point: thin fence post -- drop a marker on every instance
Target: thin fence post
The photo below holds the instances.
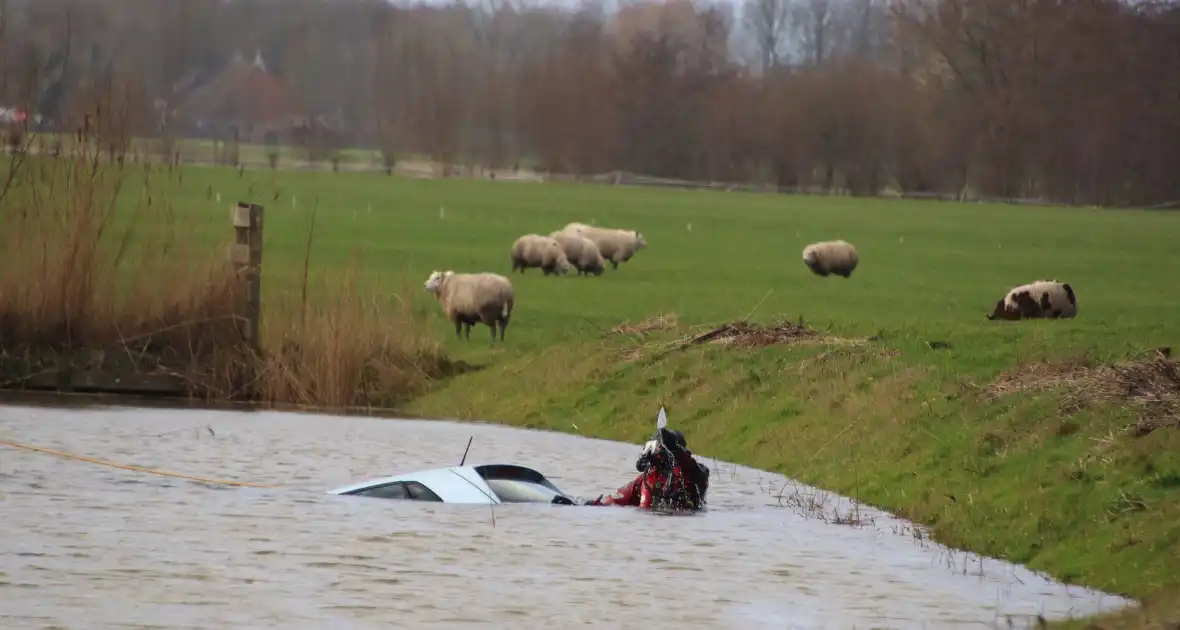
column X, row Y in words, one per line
column 246, row 255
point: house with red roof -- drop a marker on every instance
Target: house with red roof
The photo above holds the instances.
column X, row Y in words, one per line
column 244, row 97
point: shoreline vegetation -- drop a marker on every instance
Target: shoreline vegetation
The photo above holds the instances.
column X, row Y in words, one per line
column 1054, row 455
column 102, row 277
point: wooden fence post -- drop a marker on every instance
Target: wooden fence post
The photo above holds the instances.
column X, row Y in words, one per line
column 246, row 255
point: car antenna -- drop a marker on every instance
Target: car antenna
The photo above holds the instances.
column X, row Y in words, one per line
column 661, row 424
column 466, row 449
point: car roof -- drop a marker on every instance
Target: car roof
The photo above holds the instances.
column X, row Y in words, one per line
column 454, row 484
column 460, row 484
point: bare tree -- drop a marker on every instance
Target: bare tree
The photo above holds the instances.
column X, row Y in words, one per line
column 1000, row 96
column 813, row 20
column 861, row 22
column 389, row 111
column 768, row 25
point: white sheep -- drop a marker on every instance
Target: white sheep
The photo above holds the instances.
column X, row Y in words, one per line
column 582, row 253
column 615, row 245
column 1041, row 299
column 831, row 257
column 534, row 250
column 471, row 298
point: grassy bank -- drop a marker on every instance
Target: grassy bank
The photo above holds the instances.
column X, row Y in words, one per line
column 903, row 394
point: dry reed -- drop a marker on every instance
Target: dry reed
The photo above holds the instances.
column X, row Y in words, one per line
column 349, row 349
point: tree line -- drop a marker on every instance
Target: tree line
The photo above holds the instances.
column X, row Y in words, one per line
column 1075, row 101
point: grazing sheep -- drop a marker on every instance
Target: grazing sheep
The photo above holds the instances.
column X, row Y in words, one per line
column 534, row 250
column 828, row 257
column 1040, row 299
column 615, row 245
column 471, row 298
column 582, row 253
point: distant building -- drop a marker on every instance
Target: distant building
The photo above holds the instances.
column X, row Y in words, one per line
column 243, row 98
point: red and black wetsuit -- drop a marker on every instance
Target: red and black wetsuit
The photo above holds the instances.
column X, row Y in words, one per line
column 688, row 482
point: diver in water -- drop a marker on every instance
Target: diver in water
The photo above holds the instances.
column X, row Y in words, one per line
column 669, row 477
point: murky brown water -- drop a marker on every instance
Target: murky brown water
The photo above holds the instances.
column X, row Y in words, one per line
column 88, row 546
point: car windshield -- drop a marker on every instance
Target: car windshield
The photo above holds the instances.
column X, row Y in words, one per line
column 514, row 491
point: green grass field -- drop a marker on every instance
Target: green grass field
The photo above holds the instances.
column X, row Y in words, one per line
column 892, row 421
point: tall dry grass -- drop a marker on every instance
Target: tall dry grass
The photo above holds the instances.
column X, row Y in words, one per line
column 349, row 347
column 100, row 273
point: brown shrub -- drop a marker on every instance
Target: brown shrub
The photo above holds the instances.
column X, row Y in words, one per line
column 345, row 350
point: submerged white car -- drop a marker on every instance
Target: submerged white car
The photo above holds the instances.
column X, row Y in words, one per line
column 488, row 484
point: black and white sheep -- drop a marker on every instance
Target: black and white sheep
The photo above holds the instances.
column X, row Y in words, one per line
column 831, row 257
column 1037, row 300
column 471, row 298
column 534, row 250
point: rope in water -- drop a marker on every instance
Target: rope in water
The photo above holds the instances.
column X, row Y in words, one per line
column 152, row 471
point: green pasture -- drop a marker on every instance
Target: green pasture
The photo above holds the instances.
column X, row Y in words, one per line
column 929, row 270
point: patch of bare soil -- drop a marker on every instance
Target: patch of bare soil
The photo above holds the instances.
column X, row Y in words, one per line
column 747, row 334
column 735, row 334
column 1151, row 386
column 742, row 333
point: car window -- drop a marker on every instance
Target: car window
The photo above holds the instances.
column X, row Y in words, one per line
column 515, row 491
column 395, row 490
column 420, row 492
